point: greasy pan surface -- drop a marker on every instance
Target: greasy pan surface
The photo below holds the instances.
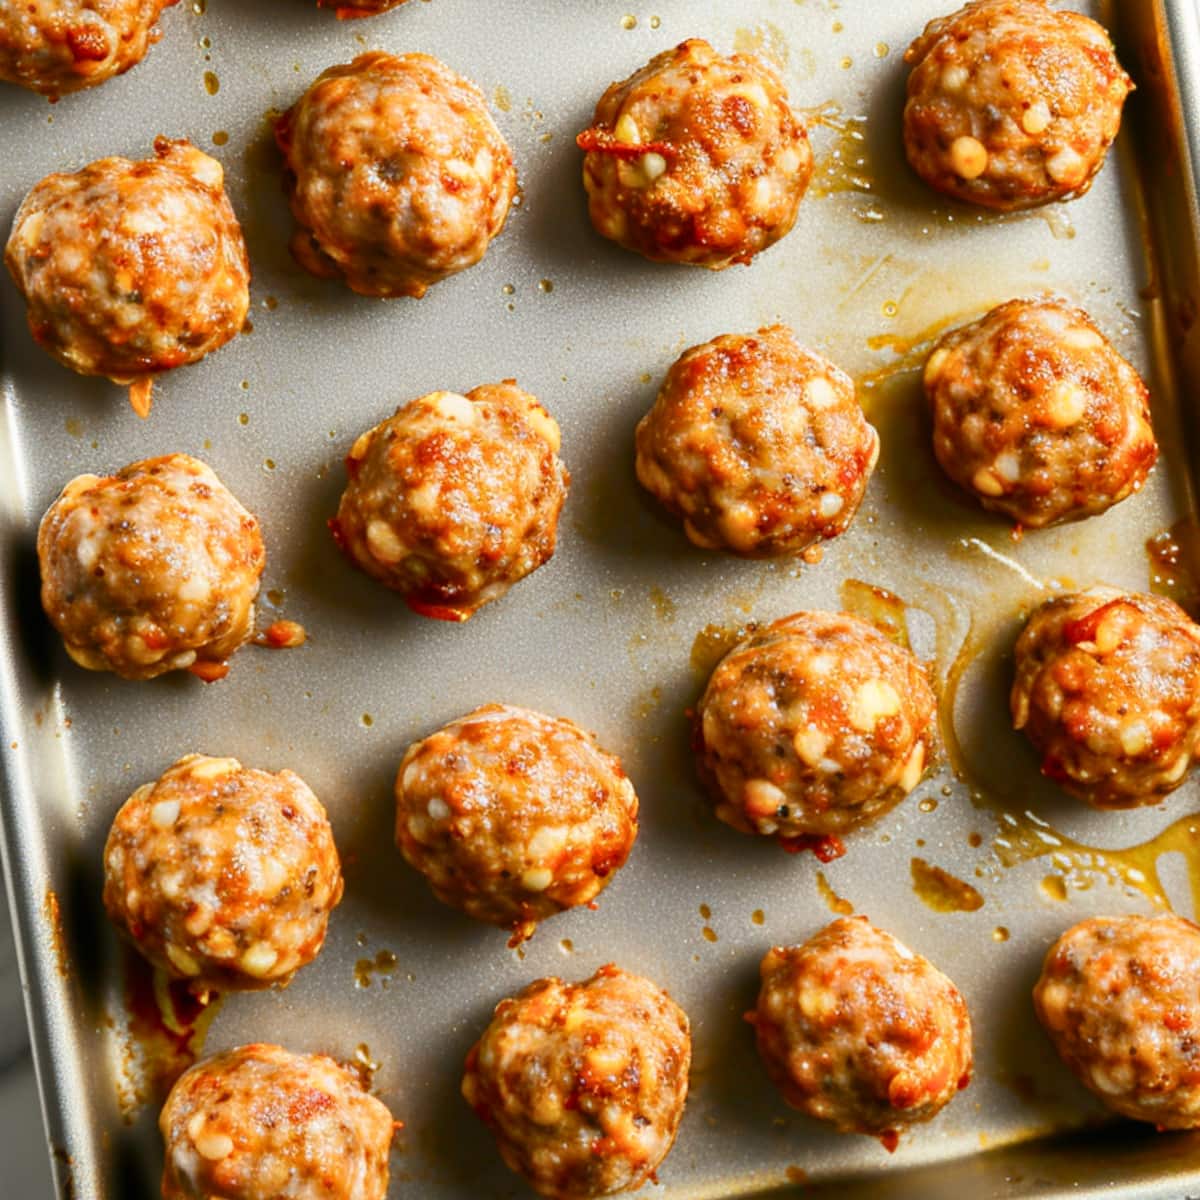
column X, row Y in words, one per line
column 604, row 634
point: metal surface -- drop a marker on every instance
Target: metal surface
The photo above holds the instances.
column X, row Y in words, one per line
column 604, row 633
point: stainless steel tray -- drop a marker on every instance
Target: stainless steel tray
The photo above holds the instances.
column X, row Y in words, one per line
column 605, row 634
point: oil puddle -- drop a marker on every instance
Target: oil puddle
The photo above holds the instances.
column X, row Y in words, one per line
column 834, row 902
column 1174, row 560
column 843, row 165
column 939, row 890
column 714, row 641
column 1023, row 837
column 909, row 352
column 877, row 606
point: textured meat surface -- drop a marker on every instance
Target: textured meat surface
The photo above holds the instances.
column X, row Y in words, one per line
column 583, row 1084
column 260, row 1123
column 1012, row 103
column 153, row 569
column 813, row 726
column 131, row 268
column 696, row 158
column 59, row 46
column 223, row 875
column 1120, row 999
column 858, row 1030
column 514, row 816
column 758, row 444
column 1107, row 689
column 397, row 174
column 1037, row 415
column 455, row 498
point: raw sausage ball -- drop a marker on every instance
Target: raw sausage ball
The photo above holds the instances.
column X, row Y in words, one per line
column 60, row 46
column 132, row 268
column 813, row 726
column 359, row 8
column 697, row 158
column 759, row 445
column 223, row 875
column 583, row 1084
column 1011, row 103
column 1037, row 415
column 1119, row 999
column 397, row 175
column 514, row 816
column 858, row 1030
column 1107, row 689
column 153, row 569
column 454, row 498
column 261, row 1123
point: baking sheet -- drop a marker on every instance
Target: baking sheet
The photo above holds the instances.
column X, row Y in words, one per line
column 606, row 633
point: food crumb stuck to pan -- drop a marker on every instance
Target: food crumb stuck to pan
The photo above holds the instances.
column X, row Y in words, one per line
column 282, row 635
column 52, row 911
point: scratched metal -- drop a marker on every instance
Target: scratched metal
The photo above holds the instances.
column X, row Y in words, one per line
column 605, row 632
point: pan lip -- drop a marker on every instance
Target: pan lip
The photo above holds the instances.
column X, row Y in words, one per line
column 53, row 1015
column 45, row 995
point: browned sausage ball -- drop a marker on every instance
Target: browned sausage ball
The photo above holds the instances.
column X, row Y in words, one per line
column 1119, row 998
column 132, row 268
column 812, row 727
column 1107, row 689
column 153, row 569
column 583, row 1084
column 514, row 816
column 1011, row 103
column 454, row 498
column 858, row 1030
column 347, row 9
column 696, row 158
column 1037, row 415
column 223, row 875
column 261, row 1123
column 759, row 445
column 60, row 46
column 397, row 175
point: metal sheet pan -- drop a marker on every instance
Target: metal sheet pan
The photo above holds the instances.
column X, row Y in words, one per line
column 606, row 633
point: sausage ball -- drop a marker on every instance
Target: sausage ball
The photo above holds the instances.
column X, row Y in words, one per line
column 812, row 727
column 1118, row 997
column 132, row 268
column 857, row 1030
column 347, row 9
column 153, row 569
column 1011, row 103
column 60, row 46
column 397, row 175
column 223, row 875
column 697, row 158
column 1107, row 689
column 454, row 498
column 514, row 816
column 1037, row 416
column 759, row 445
column 583, row 1084
column 261, row 1123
